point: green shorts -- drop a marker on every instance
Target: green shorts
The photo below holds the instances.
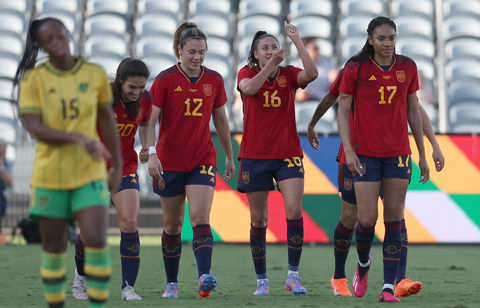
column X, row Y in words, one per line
column 56, row 203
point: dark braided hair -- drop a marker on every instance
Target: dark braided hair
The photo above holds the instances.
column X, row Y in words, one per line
column 129, row 67
column 31, row 47
column 367, row 50
column 252, row 61
column 185, row 32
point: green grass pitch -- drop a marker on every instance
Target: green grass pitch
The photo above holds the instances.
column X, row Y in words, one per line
column 449, row 275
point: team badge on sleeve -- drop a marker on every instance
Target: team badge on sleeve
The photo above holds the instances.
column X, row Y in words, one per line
column 245, row 177
column 207, row 89
column 401, row 76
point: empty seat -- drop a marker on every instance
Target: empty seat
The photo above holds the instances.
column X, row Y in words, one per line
column 213, row 24
column 220, row 46
column 248, row 26
column 351, row 47
column 463, row 48
column 7, row 110
column 461, row 7
column 311, row 7
column 426, row 66
column 174, row 7
column 12, row 21
column 414, row 47
column 415, row 7
column 206, row 6
column 20, row 6
column 106, row 23
column 464, row 112
column 6, row 86
column 462, row 69
column 153, row 44
column 264, row 7
column 108, row 62
column 463, row 91
column 69, row 19
column 72, row 6
column 9, row 131
column 371, row 8
column 351, row 26
column 109, row 44
column 219, row 64
column 123, row 7
column 11, row 43
column 466, row 128
column 149, row 24
column 412, row 26
column 458, row 26
column 158, row 64
column 315, row 26
column 8, row 65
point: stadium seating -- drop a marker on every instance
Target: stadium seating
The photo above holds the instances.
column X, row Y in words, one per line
column 72, row 6
column 461, row 69
column 414, row 26
column 148, row 45
column 6, row 86
column 264, row 7
column 205, row 6
column 324, row 8
column 214, row 24
column 459, row 26
column 11, row 43
column 175, row 7
column 461, row 8
column 464, row 112
column 463, row 48
column 148, row 24
column 313, row 26
column 106, row 44
column 122, row 7
column 12, row 21
column 424, row 8
column 370, row 8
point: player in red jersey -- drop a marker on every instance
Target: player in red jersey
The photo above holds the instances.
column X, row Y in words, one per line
column 348, row 218
column 186, row 96
column 383, row 85
column 270, row 147
column 133, row 107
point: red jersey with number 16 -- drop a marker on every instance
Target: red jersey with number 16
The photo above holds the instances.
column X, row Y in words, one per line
column 127, row 128
column 269, row 128
column 184, row 141
column 380, row 96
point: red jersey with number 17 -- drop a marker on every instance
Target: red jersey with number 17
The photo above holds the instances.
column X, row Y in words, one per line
column 380, row 96
column 269, row 128
column 184, row 141
column 127, row 128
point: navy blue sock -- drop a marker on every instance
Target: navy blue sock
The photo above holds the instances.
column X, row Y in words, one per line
column 79, row 256
column 294, row 242
column 342, row 239
column 202, row 248
column 130, row 257
column 392, row 245
column 364, row 237
column 402, row 266
column 172, row 251
column 258, row 246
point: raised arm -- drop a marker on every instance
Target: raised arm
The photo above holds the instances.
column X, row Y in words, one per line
column 223, row 131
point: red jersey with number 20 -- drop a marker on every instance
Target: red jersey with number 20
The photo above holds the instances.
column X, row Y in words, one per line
column 380, row 96
column 127, row 128
column 184, row 141
column 269, row 128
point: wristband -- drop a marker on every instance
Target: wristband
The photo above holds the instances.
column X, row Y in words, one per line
column 152, row 150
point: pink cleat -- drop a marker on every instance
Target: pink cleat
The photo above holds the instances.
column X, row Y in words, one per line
column 360, row 286
column 388, row 297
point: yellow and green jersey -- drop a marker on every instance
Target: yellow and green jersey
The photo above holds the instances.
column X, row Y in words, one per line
column 67, row 101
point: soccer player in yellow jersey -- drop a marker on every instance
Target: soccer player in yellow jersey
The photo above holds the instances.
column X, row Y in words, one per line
column 60, row 104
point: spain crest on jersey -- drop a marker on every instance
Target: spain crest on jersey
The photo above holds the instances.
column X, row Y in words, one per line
column 207, row 89
column 401, row 76
column 245, row 177
column 282, row 81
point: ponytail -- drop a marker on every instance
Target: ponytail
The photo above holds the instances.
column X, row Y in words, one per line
column 185, row 32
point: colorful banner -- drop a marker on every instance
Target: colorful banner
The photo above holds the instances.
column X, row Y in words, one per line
column 445, row 210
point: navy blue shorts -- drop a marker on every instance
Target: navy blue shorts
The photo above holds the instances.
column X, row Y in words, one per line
column 386, row 167
column 345, row 185
column 174, row 183
column 258, row 174
column 129, row 181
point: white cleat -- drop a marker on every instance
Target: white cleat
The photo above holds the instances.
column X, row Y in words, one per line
column 79, row 288
column 128, row 294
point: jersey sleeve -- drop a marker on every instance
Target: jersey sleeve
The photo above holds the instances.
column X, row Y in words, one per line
column 293, row 75
column 105, row 96
column 413, row 87
column 221, row 97
column 244, row 72
column 334, row 87
column 348, row 81
column 159, row 90
column 29, row 93
column 146, row 103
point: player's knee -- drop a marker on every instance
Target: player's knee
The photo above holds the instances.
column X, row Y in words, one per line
column 199, row 220
column 128, row 224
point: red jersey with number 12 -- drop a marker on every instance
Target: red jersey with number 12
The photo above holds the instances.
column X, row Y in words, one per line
column 269, row 128
column 380, row 96
column 184, row 141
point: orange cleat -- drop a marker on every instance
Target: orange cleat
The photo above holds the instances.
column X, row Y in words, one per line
column 407, row 287
column 340, row 287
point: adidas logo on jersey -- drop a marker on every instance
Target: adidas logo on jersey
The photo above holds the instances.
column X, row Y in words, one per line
column 178, row 89
column 372, row 78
